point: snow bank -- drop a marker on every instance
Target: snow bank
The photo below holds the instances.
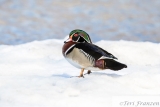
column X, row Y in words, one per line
column 36, row 75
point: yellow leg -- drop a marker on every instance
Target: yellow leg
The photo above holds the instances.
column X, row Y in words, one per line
column 81, row 73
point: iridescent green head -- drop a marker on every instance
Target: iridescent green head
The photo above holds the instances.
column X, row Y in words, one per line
column 78, row 35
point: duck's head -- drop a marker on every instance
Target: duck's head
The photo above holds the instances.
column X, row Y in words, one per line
column 78, row 35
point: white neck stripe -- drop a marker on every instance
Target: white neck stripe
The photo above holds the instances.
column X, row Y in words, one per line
column 69, row 49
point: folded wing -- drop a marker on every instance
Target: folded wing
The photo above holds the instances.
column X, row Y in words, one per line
column 95, row 51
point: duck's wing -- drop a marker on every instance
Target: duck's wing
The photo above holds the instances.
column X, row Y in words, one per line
column 95, row 51
column 107, row 53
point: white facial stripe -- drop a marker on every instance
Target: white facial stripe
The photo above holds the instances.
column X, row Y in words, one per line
column 85, row 39
column 69, row 49
column 73, row 34
column 78, row 39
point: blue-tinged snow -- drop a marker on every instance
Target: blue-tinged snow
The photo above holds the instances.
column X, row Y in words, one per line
column 23, row 21
column 37, row 75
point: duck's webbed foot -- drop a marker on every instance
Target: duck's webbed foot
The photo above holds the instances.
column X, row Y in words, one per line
column 81, row 74
column 88, row 72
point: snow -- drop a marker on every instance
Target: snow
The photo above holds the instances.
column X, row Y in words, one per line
column 36, row 74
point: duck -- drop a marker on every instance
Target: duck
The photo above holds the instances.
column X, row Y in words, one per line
column 79, row 35
column 79, row 51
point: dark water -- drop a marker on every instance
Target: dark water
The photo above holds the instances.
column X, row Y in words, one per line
column 24, row 21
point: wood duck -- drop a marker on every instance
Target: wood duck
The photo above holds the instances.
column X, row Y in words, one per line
column 86, row 56
column 80, row 36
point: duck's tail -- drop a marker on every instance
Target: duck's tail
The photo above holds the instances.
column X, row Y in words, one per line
column 109, row 64
column 113, row 65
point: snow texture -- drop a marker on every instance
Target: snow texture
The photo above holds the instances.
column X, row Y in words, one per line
column 37, row 75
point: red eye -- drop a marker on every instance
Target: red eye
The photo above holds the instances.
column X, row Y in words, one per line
column 75, row 35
